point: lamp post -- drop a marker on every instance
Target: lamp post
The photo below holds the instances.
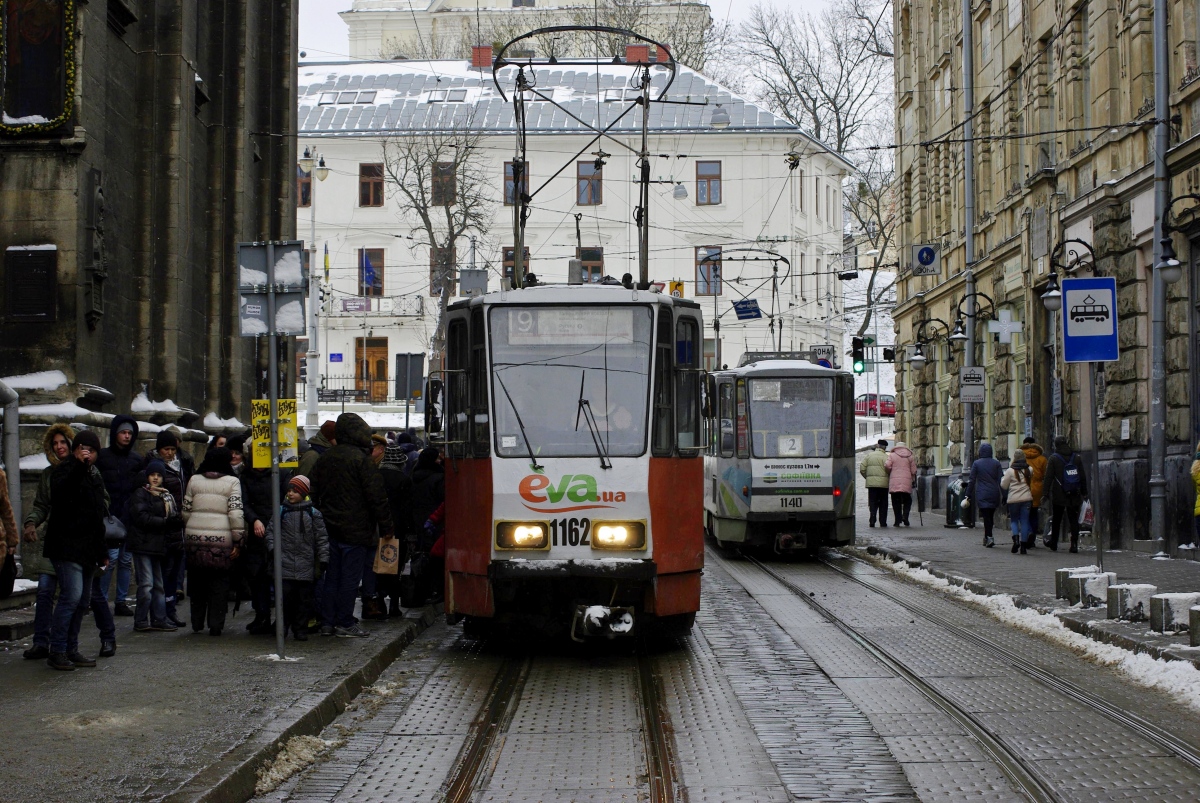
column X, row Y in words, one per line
column 313, row 356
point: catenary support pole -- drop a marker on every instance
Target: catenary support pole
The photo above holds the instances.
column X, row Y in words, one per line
column 968, row 79
column 12, row 452
column 312, row 358
column 1158, row 325
column 273, row 396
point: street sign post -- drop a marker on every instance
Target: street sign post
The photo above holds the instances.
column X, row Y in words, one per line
column 825, row 354
column 926, row 261
column 288, row 444
column 971, row 385
column 272, row 288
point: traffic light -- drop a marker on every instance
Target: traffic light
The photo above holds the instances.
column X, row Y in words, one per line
column 889, row 355
column 858, row 358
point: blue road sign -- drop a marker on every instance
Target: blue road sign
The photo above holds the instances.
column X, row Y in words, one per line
column 824, row 363
column 1089, row 313
column 335, row 357
column 747, row 309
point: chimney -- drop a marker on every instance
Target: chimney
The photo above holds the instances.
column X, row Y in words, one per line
column 637, row 54
column 663, row 54
column 481, row 56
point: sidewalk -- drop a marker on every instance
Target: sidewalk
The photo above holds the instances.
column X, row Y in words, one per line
column 959, row 556
column 178, row 716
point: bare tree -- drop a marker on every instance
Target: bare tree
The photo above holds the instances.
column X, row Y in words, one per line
column 873, row 21
column 440, row 179
column 873, row 214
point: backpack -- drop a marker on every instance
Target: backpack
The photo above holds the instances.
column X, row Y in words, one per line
column 1071, row 483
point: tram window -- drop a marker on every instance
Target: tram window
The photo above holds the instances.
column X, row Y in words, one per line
column 457, row 431
column 687, row 386
column 725, row 416
column 742, row 424
column 481, row 432
column 792, row 417
column 661, row 444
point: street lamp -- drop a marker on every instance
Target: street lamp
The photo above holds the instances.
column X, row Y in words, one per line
column 680, row 192
column 959, row 334
column 1052, row 298
column 1169, row 266
column 917, row 360
column 720, row 118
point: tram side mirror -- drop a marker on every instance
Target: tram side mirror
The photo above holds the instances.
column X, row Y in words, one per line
column 433, row 407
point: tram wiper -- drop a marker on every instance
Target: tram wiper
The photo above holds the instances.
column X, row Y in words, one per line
column 585, row 409
column 521, row 424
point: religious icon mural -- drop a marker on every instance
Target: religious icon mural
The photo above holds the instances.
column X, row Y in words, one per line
column 36, row 64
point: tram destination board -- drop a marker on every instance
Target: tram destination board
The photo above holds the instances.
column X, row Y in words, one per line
column 530, row 325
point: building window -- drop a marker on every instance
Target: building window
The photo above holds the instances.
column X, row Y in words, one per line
column 510, row 182
column 589, row 183
column 817, row 197
column 443, row 190
column 508, row 256
column 593, row 263
column 708, row 270
column 800, row 180
column 522, row 3
column 441, row 270
column 370, row 185
column 708, row 183
column 370, row 271
column 37, row 62
column 303, row 187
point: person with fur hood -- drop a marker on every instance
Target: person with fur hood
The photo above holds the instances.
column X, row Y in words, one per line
column 304, row 555
column 56, row 445
column 901, row 467
column 1035, row 456
column 214, row 531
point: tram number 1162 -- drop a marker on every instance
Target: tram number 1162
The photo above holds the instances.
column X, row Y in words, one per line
column 570, row 532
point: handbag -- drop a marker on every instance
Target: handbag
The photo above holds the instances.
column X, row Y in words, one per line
column 114, row 530
column 1087, row 515
column 8, row 576
column 387, row 556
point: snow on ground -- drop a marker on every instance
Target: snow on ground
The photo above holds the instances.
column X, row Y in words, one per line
column 42, row 380
column 142, row 404
column 34, row 462
column 296, row 755
column 25, row 585
column 1180, row 679
column 214, row 421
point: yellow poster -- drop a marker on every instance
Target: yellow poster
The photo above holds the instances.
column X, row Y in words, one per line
column 289, row 451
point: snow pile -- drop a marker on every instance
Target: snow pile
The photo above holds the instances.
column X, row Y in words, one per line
column 62, row 410
column 289, row 317
column 142, row 404
column 274, row 657
column 298, row 753
column 24, row 585
column 214, row 421
column 1180, row 679
column 288, row 270
column 43, row 247
column 622, row 624
column 32, row 119
column 34, row 462
column 42, row 380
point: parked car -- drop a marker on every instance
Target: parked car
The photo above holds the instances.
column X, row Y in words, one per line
column 875, row 404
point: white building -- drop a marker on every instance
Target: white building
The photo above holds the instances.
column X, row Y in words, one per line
column 715, row 191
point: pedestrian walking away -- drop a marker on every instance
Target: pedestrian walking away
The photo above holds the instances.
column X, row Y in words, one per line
column 372, row 602
column 304, row 554
column 986, row 474
column 121, row 467
column 429, row 494
column 901, row 467
column 1016, row 482
column 1063, row 492
column 347, row 487
column 1036, row 459
column 874, row 471
column 155, row 523
column 399, row 486
column 214, row 531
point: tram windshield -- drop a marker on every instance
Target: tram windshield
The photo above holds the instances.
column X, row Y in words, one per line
column 550, row 361
column 791, row 417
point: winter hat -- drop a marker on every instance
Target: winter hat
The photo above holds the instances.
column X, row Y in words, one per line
column 404, row 437
column 327, row 429
column 378, row 440
column 428, row 458
column 219, row 460
column 235, row 443
column 126, row 426
column 166, row 438
column 1018, row 461
column 156, row 466
column 394, row 455
column 86, row 438
column 299, row 483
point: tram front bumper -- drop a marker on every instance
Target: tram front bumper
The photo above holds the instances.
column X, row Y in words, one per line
column 525, row 569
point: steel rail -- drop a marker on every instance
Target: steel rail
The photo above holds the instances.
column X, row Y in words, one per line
column 660, row 758
column 494, row 717
column 1164, row 739
column 1022, row 773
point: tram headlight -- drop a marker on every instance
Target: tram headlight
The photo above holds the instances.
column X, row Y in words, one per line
column 521, row 535
column 618, row 535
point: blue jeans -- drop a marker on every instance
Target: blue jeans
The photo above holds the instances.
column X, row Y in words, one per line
column 1018, row 521
column 68, row 613
column 173, row 566
column 121, row 561
column 340, row 590
column 43, row 611
column 151, row 601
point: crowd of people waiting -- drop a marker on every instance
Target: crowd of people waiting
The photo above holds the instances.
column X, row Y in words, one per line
column 174, row 530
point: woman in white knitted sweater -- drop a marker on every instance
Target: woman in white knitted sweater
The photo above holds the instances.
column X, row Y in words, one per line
column 215, row 526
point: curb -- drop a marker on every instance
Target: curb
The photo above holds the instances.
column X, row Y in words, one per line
column 232, row 778
column 1090, row 622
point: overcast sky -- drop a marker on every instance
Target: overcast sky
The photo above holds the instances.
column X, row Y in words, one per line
column 323, row 34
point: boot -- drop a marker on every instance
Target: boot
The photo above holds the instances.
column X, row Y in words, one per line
column 1016, row 545
column 394, row 607
column 372, row 609
column 265, row 627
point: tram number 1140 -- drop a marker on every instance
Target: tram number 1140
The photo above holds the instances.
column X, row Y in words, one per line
column 570, row 532
column 791, row 501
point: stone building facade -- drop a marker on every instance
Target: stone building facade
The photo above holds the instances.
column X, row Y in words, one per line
column 1064, row 151
column 141, row 141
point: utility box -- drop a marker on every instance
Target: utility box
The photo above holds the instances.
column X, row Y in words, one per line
column 575, row 271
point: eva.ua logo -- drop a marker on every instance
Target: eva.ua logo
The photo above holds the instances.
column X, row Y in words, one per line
column 580, row 489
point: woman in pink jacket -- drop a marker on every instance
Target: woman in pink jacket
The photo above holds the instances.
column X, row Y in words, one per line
column 901, row 467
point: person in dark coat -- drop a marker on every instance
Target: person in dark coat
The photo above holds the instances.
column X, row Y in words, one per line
column 179, row 471
column 348, row 490
column 1063, row 491
column 75, row 543
column 986, row 473
column 304, row 553
column 318, row 445
column 121, row 468
column 252, row 563
column 398, row 485
column 429, row 492
column 155, row 523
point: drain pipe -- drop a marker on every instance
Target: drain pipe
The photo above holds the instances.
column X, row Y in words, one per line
column 12, row 453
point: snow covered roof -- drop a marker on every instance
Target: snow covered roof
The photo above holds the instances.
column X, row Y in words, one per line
column 397, row 97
